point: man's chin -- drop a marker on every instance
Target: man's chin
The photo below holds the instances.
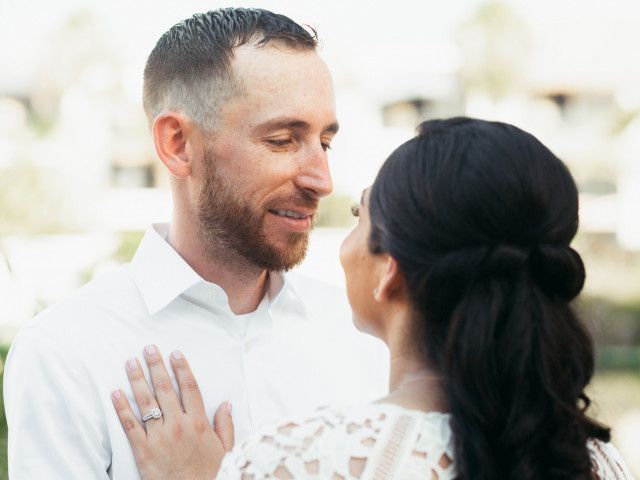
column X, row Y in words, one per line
column 286, row 254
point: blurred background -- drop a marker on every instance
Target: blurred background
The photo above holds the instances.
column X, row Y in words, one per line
column 80, row 182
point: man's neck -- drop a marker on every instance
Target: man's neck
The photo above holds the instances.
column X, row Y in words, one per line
column 244, row 283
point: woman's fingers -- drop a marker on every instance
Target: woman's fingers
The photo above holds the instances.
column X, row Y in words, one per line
column 223, row 426
column 189, row 391
column 144, row 396
column 162, row 385
column 131, row 425
column 186, row 446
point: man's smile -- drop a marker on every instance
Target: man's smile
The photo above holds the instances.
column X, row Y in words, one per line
column 294, row 220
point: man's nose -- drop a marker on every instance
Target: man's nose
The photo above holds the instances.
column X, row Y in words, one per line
column 314, row 176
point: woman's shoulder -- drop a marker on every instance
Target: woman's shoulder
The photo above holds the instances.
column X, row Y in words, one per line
column 607, row 462
column 343, row 441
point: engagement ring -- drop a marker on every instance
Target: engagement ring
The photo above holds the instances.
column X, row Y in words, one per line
column 153, row 413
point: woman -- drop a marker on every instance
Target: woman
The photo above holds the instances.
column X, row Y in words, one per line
column 461, row 263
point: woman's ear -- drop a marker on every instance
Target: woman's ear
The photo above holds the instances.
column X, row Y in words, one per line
column 391, row 280
column 172, row 132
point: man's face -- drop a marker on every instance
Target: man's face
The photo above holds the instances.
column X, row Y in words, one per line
column 265, row 169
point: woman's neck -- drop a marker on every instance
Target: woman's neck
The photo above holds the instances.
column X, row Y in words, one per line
column 406, row 369
column 412, row 382
column 415, row 386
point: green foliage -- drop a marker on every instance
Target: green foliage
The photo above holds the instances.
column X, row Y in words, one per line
column 611, row 323
column 128, row 245
column 30, row 200
column 39, row 124
column 623, row 120
column 4, row 474
column 618, row 358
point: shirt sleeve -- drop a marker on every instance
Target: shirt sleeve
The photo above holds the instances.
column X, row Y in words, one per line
column 56, row 421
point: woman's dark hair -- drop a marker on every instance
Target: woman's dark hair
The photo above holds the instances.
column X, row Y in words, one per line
column 480, row 216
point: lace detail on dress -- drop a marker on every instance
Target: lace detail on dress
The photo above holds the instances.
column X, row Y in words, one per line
column 370, row 442
column 376, row 441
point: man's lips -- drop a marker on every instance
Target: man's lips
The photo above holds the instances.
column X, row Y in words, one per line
column 293, row 219
column 292, row 213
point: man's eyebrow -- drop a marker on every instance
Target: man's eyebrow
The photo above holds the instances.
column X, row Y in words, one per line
column 294, row 124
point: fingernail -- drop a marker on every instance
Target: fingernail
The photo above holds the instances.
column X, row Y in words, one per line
column 229, row 408
column 150, row 349
column 176, row 355
column 116, row 394
column 132, row 364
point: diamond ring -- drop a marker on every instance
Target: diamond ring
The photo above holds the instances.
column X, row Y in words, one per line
column 153, row 413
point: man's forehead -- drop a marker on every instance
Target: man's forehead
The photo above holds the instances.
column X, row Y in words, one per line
column 274, row 61
column 290, row 86
column 274, row 71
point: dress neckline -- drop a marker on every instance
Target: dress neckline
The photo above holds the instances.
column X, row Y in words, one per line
column 379, row 406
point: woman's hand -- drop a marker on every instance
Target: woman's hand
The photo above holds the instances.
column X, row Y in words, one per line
column 181, row 444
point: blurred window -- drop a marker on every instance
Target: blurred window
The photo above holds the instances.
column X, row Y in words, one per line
column 411, row 112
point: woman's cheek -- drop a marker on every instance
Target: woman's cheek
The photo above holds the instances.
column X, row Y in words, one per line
column 344, row 249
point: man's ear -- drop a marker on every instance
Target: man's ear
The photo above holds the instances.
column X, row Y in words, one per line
column 391, row 281
column 172, row 132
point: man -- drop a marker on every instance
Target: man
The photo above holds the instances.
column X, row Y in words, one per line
column 242, row 113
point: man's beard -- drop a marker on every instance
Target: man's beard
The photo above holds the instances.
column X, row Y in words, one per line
column 229, row 225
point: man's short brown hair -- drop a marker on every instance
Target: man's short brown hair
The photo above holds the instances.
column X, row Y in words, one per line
column 189, row 70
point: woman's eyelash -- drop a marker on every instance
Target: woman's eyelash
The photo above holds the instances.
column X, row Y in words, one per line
column 355, row 210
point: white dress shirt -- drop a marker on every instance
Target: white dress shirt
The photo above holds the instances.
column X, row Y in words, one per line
column 297, row 351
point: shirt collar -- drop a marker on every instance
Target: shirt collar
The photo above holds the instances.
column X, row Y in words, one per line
column 162, row 275
column 283, row 296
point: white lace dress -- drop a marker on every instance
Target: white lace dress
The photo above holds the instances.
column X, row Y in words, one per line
column 373, row 442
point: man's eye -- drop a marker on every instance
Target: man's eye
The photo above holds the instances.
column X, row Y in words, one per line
column 279, row 143
column 326, row 146
column 355, row 210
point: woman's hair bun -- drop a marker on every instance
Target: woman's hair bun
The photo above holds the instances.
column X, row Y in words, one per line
column 557, row 269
